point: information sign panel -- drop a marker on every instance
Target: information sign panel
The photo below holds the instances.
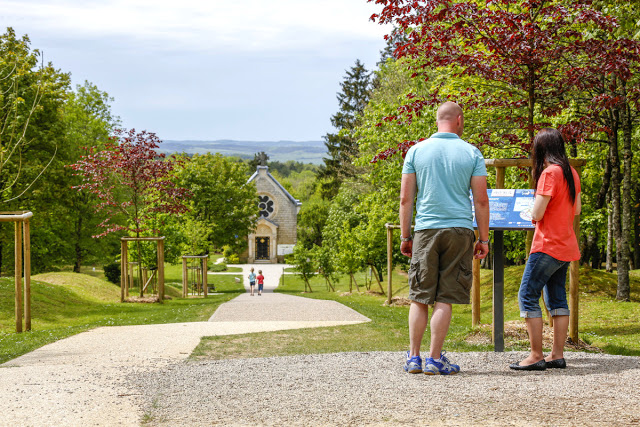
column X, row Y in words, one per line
column 285, row 249
column 510, row 209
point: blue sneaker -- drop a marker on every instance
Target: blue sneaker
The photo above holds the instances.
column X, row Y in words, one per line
column 440, row 367
column 413, row 365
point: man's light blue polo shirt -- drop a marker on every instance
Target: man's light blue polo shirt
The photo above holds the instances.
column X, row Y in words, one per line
column 444, row 165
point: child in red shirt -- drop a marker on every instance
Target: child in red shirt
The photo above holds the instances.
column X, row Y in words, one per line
column 554, row 246
column 260, row 282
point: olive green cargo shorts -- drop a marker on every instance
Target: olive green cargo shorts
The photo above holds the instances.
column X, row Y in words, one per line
column 441, row 266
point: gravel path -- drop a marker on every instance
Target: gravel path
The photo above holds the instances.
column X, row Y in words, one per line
column 133, row 375
column 372, row 389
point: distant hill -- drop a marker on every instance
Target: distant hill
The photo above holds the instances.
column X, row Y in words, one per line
column 301, row 151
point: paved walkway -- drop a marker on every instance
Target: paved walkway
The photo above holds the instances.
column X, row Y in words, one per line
column 275, row 307
column 82, row 380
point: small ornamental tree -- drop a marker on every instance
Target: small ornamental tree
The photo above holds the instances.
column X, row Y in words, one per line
column 133, row 183
column 304, row 265
column 325, row 259
column 131, row 180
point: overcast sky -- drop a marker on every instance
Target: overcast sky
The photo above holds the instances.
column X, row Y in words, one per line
column 189, row 69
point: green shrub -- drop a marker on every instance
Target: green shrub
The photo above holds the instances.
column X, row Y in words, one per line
column 232, row 259
column 112, row 272
column 216, row 268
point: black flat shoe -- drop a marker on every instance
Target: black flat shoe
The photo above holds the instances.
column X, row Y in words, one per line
column 538, row 366
column 558, row 363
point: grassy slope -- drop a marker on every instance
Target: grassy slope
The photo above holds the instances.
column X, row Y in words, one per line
column 603, row 322
column 64, row 304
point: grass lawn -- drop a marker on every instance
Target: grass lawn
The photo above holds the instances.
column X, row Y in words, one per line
column 64, row 304
column 603, row 323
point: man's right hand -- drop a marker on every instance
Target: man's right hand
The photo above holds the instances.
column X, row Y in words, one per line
column 481, row 250
column 407, row 247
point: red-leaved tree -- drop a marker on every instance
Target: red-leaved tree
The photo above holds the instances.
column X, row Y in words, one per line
column 515, row 53
column 132, row 181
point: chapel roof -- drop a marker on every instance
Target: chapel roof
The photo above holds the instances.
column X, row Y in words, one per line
column 293, row 200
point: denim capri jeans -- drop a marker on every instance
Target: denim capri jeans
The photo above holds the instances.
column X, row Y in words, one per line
column 543, row 272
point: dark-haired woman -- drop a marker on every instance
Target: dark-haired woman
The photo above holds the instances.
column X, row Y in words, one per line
column 554, row 246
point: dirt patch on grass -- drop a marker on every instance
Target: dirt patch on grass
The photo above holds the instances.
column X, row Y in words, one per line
column 515, row 334
column 145, row 300
column 399, row 301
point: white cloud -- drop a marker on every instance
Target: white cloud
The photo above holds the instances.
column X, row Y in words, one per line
column 239, row 69
column 242, row 25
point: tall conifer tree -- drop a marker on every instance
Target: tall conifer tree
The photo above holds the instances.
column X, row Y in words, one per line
column 342, row 146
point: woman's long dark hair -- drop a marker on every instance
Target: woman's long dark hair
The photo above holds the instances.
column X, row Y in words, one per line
column 549, row 145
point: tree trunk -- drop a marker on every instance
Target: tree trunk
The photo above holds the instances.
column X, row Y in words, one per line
column 622, row 261
column 624, row 287
column 603, row 194
column 591, row 252
column 354, row 281
column 636, row 234
column 573, row 148
column 609, row 261
column 333, row 287
column 329, row 284
column 78, row 247
column 139, row 266
column 377, row 276
column 307, row 284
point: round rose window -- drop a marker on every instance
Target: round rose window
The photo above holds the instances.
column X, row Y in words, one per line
column 266, row 206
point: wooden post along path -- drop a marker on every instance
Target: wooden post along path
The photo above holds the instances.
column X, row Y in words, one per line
column 185, row 274
column 22, row 247
column 390, row 228
column 124, row 264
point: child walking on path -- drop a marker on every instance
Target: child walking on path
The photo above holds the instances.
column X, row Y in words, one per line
column 260, row 282
column 252, row 281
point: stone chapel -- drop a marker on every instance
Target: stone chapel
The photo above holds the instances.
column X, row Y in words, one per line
column 276, row 228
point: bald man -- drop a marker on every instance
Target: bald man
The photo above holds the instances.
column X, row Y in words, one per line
column 440, row 171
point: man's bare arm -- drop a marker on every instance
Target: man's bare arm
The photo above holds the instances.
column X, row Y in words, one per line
column 408, row 189
column 481, row 203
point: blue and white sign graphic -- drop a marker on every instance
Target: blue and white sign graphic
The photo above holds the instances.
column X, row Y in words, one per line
column 510, row 209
